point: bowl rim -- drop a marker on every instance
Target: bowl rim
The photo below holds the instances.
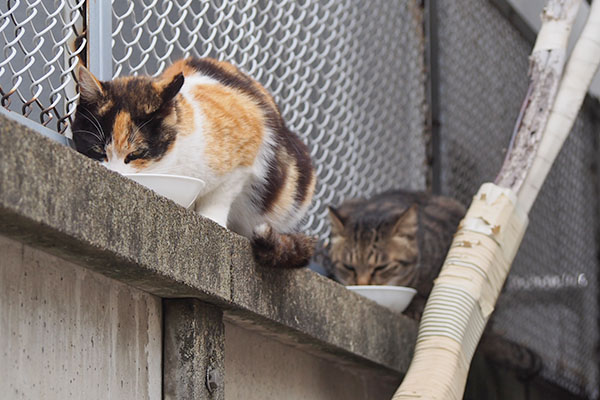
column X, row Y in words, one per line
column 145, row 174
column 383, row 288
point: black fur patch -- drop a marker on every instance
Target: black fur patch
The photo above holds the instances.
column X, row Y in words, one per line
column 139, row 98
column 294, row 146
column 276, row 176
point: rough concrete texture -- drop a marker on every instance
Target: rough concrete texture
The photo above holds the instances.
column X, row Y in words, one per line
column 259, row 369
column 303, row 308
column 194, row 350
column 54, row 198
column 68, row 333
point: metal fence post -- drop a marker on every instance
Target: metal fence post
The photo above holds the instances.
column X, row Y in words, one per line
column 99, row 31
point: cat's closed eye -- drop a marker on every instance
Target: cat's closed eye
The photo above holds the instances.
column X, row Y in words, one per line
column 98, row 152
column 380, row 267
column 349, row 267
column 135, row 155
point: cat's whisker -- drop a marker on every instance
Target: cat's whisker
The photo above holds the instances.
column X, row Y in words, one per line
column 100, row 135
column 96, row 135
column 94, row 122
column 139, row 128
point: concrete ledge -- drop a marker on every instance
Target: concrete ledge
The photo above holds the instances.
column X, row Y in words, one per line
column 53, row 198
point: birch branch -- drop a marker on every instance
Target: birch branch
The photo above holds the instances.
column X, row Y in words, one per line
column 546, row 65
column 580, row 70
column 465, row 293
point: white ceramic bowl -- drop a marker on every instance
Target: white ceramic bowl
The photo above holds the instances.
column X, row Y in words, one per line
column 183, row 190
column 396, row 298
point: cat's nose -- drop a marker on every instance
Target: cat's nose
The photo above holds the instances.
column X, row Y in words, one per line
column 363, row 280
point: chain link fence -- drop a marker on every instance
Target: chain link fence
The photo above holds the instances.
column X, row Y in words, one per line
column 551, row 300
column 37, row 61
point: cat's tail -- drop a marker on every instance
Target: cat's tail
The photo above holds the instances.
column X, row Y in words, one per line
column 279, row 250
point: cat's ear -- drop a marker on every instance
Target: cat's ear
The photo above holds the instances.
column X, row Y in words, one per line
column 90, row 88
column 407, row 223
column 337, row 222
column 170, row 89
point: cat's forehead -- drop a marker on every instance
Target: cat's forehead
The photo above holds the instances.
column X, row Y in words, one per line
column 137, row 96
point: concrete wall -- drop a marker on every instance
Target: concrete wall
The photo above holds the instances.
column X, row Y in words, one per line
column 259, row 368
column 68, row 333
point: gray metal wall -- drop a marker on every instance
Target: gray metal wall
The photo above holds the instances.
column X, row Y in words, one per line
column 550, row 302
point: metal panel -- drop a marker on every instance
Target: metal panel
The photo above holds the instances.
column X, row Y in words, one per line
column 99, row 30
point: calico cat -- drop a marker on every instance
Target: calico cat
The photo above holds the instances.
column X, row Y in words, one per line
column 206, row 119
column 401, row 238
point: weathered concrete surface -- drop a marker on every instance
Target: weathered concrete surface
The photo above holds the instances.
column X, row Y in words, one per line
column 68, row 333
column 194, row 348
column 54, row 198
column 316, row 311
column 261, row 369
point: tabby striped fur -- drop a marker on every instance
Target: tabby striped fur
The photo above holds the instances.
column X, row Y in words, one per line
column 395, row 238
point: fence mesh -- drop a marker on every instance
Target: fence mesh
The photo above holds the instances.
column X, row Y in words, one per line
column 551, row 299
column 348, row 76
column 37, row 62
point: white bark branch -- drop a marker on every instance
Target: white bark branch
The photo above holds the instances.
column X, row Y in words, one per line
column 547, row 61
column 580, row 70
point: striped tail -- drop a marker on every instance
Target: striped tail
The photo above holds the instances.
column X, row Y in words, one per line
column 278, row 250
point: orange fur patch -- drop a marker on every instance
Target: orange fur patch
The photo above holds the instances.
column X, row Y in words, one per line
column 105, row 107
column 185, row 117
column 140, row 164
column 121, row 129
column 310, row 191
column 234, row 130
column 286, row 196
column 177, row 67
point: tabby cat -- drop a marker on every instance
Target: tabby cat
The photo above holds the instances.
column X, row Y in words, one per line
column 206, row 119
column 401, row 238
column 395, row 238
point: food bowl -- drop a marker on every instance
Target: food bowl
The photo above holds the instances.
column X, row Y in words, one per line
column 396, row 298
column 183, row 190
